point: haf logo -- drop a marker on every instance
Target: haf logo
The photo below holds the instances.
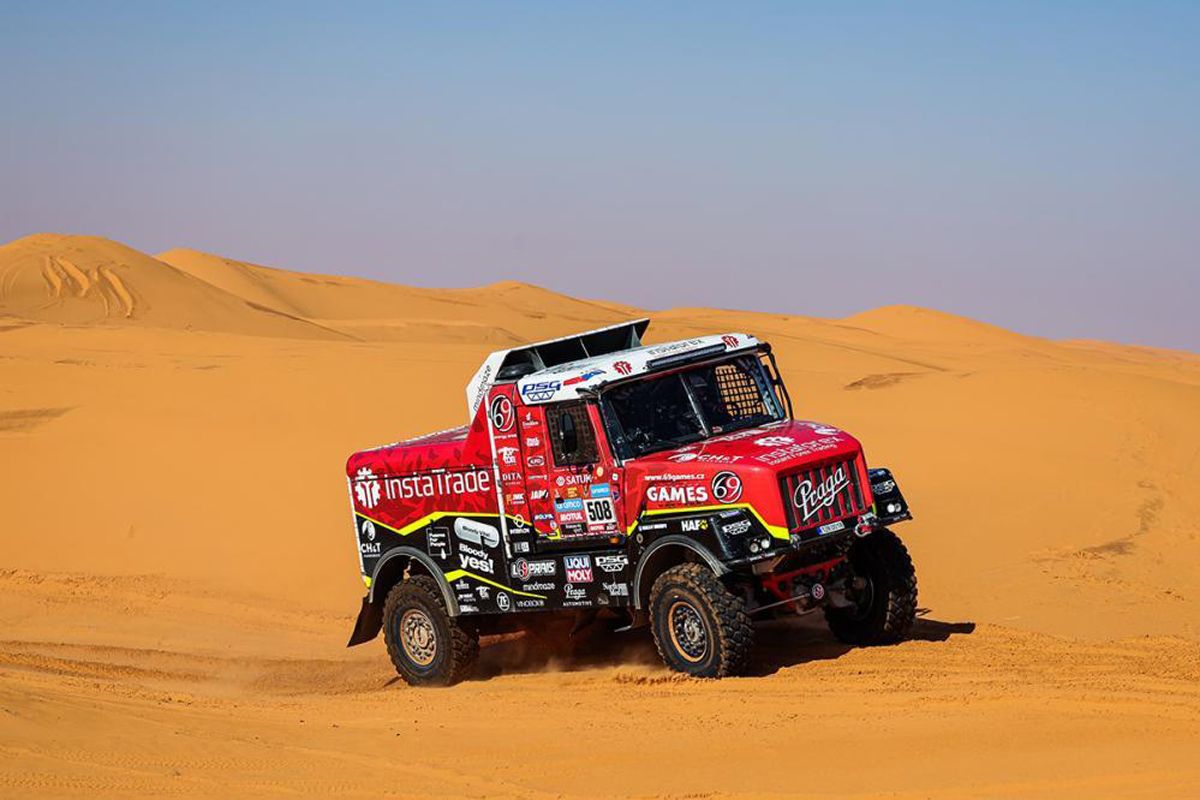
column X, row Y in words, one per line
column 502, row 413
column 366, row 487
column 623, row 367
column 730, row 341
column 726, row 487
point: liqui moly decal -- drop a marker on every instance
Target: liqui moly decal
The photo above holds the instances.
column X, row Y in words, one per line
column 811, row 498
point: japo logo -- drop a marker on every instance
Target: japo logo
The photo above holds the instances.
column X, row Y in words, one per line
column 726, row 487
column 502, row 413
column 366, row 488
column 623, row 367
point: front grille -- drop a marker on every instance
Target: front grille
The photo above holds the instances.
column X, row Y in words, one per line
column 831, row 492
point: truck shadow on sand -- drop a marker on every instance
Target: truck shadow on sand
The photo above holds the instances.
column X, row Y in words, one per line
column 779, row 644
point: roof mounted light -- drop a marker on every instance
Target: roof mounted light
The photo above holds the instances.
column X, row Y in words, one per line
column 683, row 358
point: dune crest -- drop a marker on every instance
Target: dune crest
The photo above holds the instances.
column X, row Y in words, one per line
column 177, row 553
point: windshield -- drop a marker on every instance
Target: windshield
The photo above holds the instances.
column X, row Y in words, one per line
column 670, row 410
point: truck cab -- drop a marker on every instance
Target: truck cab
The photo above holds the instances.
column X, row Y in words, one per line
column 665, row 486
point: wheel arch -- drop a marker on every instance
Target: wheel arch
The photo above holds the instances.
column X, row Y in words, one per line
column 391, row 569
column 667, row 552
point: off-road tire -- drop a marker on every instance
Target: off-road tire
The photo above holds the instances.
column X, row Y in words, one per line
column 443, row 651
column 690, row 596
column 888, row 617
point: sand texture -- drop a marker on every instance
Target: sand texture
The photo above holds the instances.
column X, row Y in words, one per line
column 178, row 573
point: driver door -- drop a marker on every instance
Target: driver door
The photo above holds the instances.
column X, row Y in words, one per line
column 581, row 492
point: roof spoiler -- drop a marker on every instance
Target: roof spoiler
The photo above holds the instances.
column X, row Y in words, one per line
column 507, row 365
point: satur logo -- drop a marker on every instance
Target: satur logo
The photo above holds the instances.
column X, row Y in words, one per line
column 811, row 498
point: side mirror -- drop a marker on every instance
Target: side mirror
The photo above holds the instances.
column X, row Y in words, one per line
column 567, row 437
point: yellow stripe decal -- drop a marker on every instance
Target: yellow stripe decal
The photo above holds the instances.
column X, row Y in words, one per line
column 777, row 531
column 462, row 573
column 434, row 517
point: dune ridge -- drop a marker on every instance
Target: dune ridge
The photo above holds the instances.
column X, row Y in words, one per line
column 178, row 574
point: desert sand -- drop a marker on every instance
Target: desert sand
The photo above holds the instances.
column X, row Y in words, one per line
column 178, row 574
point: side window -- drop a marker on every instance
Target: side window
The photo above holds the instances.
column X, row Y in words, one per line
column 571, row 436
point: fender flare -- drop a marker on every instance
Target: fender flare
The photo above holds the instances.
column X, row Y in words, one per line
column 427, row 562
column 674, row 540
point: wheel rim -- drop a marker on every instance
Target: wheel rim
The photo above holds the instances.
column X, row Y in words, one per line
column 688, row 632
column 418, row 637
column 864, row 599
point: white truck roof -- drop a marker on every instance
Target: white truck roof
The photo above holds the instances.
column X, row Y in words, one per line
column 547, row 377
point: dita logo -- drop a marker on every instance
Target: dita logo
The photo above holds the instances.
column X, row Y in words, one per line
column 811, row 498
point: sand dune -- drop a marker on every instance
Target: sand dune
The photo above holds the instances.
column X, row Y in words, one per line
column 177, row 572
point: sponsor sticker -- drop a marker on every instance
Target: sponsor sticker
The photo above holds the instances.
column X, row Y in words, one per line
column 726, row 487
column 502, row 413
column 540, row 391
column 600, row 490
column 578, row 568
column 600, row 511
column 475, row 532
column 611, row 564
column 524, row 570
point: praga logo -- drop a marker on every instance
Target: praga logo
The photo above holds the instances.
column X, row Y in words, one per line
column 578, row 568
column 523, row 570
column 726, row 487
column 623, row 367
column 502, row 413
column 409, row 487
column 677, row 495
column 811, row 498
column 540, row 391
column 366, row 487
column 730, row 341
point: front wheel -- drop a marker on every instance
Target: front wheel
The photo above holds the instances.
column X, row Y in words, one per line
column 427, row 646
column 699, row 627
column 882, row 592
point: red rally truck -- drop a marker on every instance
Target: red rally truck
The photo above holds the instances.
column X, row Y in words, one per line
column 665, row 485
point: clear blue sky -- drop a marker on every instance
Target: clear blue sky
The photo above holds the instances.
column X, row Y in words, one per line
column 1036, row 165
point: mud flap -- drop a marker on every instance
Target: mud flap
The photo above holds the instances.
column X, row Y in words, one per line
column 368, row 624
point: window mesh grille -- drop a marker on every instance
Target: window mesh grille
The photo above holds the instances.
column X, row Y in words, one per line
column 739, row 392
column 585, row 437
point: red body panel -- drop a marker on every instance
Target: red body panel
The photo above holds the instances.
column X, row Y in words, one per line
column 741, row 468
column 449, row 471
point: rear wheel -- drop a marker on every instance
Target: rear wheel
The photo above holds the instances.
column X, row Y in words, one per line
column 882, row 593
column 427, row 646
column 699, row 627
